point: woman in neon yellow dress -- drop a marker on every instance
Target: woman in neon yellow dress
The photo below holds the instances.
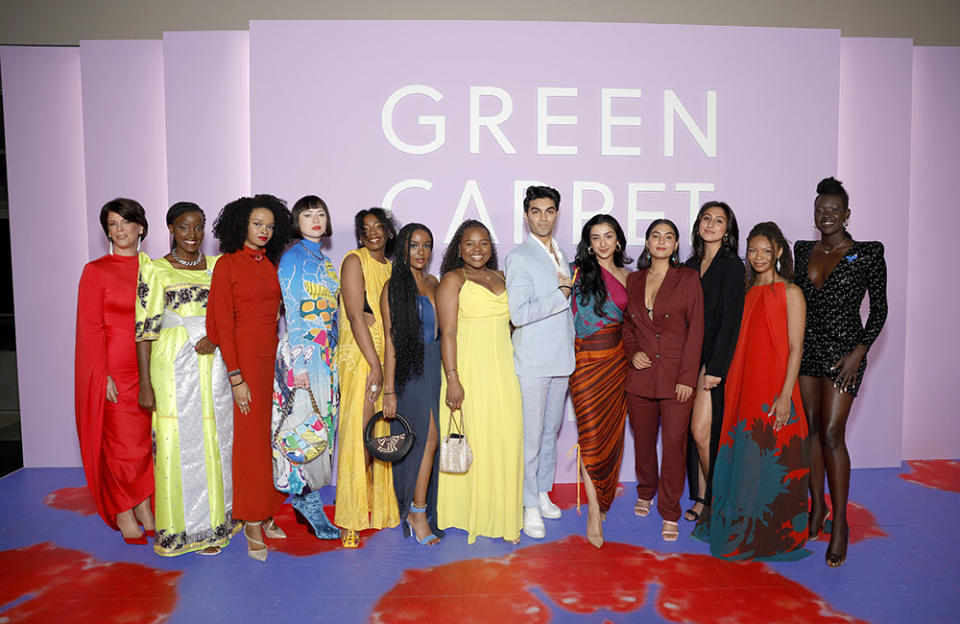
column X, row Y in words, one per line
column 479, row 378
column 184, row 382
column 365, row 495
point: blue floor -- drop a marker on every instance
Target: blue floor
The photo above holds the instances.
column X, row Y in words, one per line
column 903, row 566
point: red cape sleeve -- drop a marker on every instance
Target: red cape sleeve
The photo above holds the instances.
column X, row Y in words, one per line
column 90, row 377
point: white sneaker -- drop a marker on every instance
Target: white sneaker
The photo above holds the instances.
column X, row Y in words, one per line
column 533, row 523
column 547, row 508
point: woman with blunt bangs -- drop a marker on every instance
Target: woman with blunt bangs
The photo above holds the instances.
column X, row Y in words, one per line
column 759, row 507
column 183, row 381
column 662, row 338
column 306, row 360
column 597, row 383
column 114, row 431
column 242, row 320
column 715, row 237
column 479, row 384
column 835, row 273
column 411, row 385
column 365, row 495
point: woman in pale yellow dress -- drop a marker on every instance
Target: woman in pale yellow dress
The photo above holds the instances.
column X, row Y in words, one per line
column 479, row 379
column 365, row 495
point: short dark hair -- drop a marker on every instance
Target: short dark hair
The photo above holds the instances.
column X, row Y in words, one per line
column 182, row 208
column 390, row 228
column 129, row 209
column 308, row 202
column 541, row 192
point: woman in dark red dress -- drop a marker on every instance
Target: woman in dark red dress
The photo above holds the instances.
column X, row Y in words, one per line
column 114, row 431
column 242, row 320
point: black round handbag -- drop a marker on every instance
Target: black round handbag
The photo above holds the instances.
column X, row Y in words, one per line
column 392, row 447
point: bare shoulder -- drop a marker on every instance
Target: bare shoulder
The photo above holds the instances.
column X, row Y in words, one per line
column 795, row 295
column 452, row 280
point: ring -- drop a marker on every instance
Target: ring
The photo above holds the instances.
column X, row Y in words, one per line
column 373, row 387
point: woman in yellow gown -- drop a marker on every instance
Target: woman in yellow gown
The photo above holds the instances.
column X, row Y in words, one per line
column 365, row 495
column 183, row 381
column 479, row 379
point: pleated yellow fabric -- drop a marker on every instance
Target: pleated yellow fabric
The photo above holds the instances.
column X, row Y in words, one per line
column 365, row 497
column 487, row 500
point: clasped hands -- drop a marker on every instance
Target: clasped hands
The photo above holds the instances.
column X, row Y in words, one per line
column 641, row 360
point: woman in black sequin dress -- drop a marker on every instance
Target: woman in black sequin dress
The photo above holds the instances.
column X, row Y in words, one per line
column 835, row 273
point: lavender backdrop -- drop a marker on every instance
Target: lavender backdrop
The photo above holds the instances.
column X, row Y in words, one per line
column 298, row 107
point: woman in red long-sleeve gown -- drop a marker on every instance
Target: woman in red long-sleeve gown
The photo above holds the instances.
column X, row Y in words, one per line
column 113, row 430
column 242, row 318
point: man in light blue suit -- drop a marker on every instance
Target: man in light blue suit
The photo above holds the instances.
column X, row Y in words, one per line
column 538, row 289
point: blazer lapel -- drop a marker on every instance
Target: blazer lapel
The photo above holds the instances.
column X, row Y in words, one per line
column 537, row 251
column 645, row 318
column 670, row 281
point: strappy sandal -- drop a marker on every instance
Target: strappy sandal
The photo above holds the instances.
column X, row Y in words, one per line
column 210, row 551
column 670, row 531
column 257, row 554
column 692, row 515
column 349, row 538
column 642, row 508
column 835, row 560
column 431, row 539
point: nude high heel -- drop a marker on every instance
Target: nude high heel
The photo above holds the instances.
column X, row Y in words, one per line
column 272, row 530
column 259, row 554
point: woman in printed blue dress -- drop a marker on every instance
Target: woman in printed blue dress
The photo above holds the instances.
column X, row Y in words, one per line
column 306, row 362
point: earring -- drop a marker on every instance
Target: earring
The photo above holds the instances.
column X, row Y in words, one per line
column 778, row 265
column 846, row 223
column 590, row 250
column 111, row 246
column 726, row 238
column 618, row 246
column 138, row 244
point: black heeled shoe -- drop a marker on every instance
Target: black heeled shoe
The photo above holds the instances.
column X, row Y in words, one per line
column 692, row 512
column 835, row 560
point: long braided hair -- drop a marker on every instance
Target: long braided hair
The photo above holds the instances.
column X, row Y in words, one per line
column 404, row 298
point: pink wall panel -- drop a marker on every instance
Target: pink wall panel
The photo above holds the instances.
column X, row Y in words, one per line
column 875, row 168
column 929, row 414
column 207, row 95
column 123, row 120
column 44, row 133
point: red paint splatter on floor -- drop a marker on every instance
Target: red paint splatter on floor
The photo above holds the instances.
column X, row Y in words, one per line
column 863, row 524
column 76, row 499
column 564, row 495
column 578, row 578
column 300, row 542
column 940, row 474
column 62, row 585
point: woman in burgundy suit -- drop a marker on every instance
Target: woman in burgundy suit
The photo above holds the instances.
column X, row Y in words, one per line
column 242, row 320
column 662, row 337
column 114, row 431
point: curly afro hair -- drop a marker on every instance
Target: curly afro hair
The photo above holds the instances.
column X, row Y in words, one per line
column 230, row 228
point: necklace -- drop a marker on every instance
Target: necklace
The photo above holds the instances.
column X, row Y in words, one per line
column 307, row 249
column 823, row 247
column 191, row 263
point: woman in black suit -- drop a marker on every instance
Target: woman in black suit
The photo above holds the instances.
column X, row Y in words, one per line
column 715, row 236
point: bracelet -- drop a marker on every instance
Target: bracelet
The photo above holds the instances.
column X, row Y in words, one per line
column 451, row 372
column 385, row 393
column 237, row 384
column 233, row 373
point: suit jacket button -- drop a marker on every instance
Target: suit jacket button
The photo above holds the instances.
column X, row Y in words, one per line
column 658, row 356
column 658, row 335
column 666, row 316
